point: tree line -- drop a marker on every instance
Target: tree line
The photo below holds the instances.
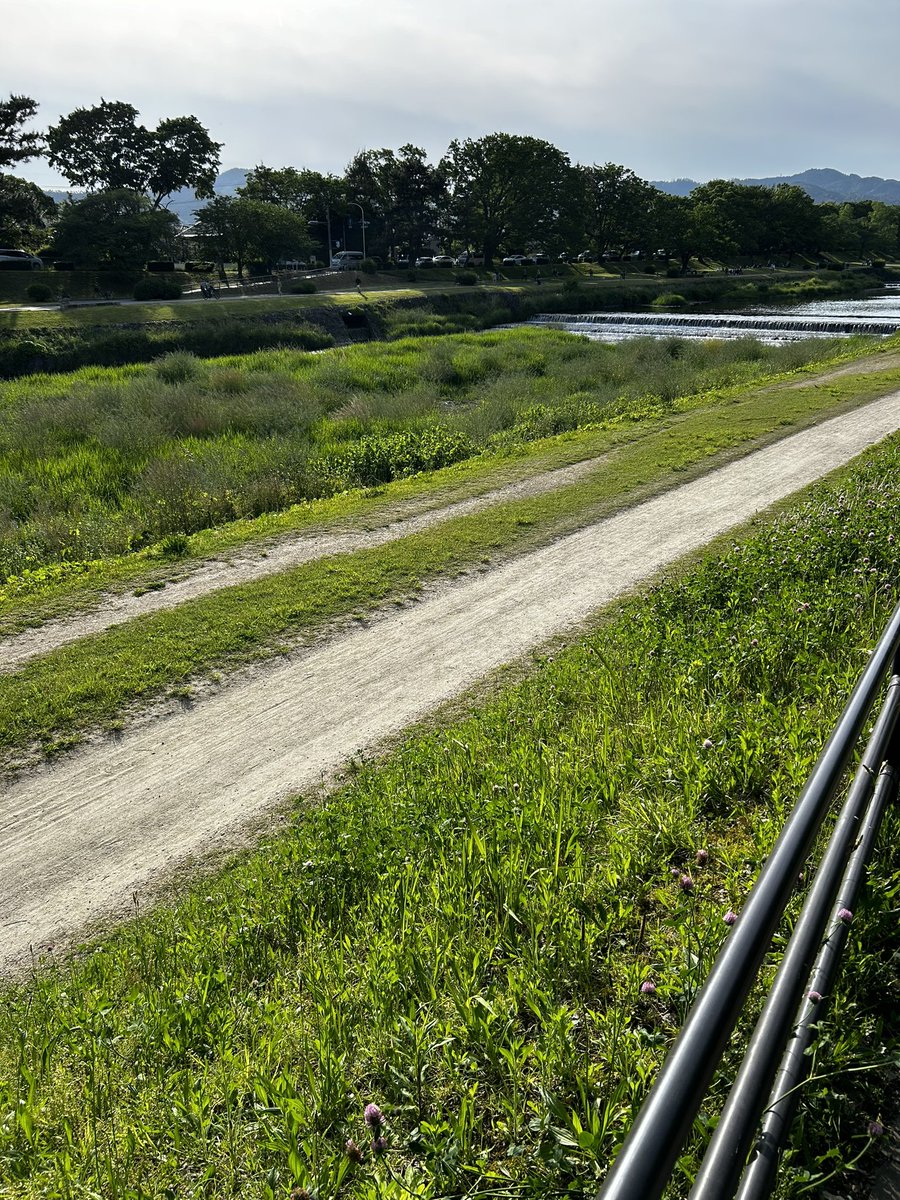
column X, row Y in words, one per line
column 499, row 194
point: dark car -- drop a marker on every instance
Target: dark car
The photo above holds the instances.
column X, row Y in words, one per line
column 19, row 260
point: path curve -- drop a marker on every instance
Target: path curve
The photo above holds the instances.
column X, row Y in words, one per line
column 244, row 566
column 78, row 838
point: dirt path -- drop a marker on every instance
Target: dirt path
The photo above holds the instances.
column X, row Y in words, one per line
column 79, row 838
column 261, row 560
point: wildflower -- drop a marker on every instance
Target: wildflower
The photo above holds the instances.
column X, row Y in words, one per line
column 803, row 606
column 708, row 743
column 754, row 641
column 845, row 915
column 702, row 858
column 379, row 1144
column 373, row 1116
column 814, row 996
column 648, row 987
column 875, row 1129
column 299, row 1193
column 686, row 883
column 730, row 917
column 353, row 1151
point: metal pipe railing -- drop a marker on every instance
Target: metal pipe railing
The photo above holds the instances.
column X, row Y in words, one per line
column 758, row 1180
column 644, row 1164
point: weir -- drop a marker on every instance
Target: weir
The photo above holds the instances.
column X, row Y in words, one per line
column 718, row 324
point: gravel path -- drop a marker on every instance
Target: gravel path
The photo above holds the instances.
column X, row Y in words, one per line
column 258, row 561
column 78, row 838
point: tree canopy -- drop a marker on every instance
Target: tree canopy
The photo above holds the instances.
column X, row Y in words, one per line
column 17, row 144
column 105, row 149
column 115, row 228
column 242, row 230
column 26, row 213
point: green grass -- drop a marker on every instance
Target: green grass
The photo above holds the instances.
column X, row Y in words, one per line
column 89, row 683
column 106, row 461
column 461, row 933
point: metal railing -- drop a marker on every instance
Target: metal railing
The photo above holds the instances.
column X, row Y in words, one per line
column 766, row 1088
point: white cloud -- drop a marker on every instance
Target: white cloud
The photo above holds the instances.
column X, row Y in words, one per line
column 698, row 87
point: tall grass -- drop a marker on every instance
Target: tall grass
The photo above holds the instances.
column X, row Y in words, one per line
column 489, row 935
column 104, row 461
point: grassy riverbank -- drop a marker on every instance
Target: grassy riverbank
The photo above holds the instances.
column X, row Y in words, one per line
column 54, row 699
column 104, row 462
column 463, row 933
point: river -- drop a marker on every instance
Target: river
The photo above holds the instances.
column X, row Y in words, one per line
column 877, row 316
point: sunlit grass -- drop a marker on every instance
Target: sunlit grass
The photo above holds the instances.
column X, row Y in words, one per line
column 461, row 933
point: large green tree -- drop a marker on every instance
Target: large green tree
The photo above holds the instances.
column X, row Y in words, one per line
column 618, row 208
column 314, row 196
column 507, row 192
column 17, row 144
column 105, row 149
column 26, row 214
column 241, row 230
column 116, row 228
column 403, row 197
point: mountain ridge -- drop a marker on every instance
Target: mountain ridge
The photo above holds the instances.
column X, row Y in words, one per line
column 823, row 184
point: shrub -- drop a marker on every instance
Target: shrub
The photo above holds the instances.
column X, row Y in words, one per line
column 302, row 287
column 670, row 300
column 174, row 545
column 177, row 367
column 467, row 278
column 673, row 272
column 369, row 266
column 157, row 289
column 39, row 292
column 161, row 265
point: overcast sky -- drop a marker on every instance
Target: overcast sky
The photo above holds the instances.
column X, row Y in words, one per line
column 670, row 88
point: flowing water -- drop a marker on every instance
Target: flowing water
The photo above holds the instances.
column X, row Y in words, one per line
column 878, row 316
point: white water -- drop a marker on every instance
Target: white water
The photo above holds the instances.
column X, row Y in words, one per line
column 875, row 317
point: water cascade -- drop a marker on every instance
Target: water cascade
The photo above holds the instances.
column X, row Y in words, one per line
column 615, row 326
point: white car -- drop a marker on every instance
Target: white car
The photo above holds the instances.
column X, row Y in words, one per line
column 443, row 260
column 19, row 260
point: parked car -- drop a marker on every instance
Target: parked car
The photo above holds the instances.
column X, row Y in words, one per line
column 347, row 260
column 19, row 260
column 540, row 258
column 443, row 260
column 470, row 260
column 515, row 260
column 424, row 262
column 585, row 256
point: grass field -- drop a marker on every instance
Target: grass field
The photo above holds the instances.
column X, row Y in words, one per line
column 53, row 700
column 462, row 934
column 104, row 462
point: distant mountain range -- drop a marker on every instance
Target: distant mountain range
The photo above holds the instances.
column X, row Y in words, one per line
column 184, row 202
column 822, row 183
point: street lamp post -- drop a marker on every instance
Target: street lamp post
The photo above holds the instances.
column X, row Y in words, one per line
column 362, row 221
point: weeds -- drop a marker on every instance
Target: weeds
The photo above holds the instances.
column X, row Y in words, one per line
column 493, row 935
column 104, row 462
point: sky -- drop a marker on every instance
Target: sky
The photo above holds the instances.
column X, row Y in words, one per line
column 696, row 89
